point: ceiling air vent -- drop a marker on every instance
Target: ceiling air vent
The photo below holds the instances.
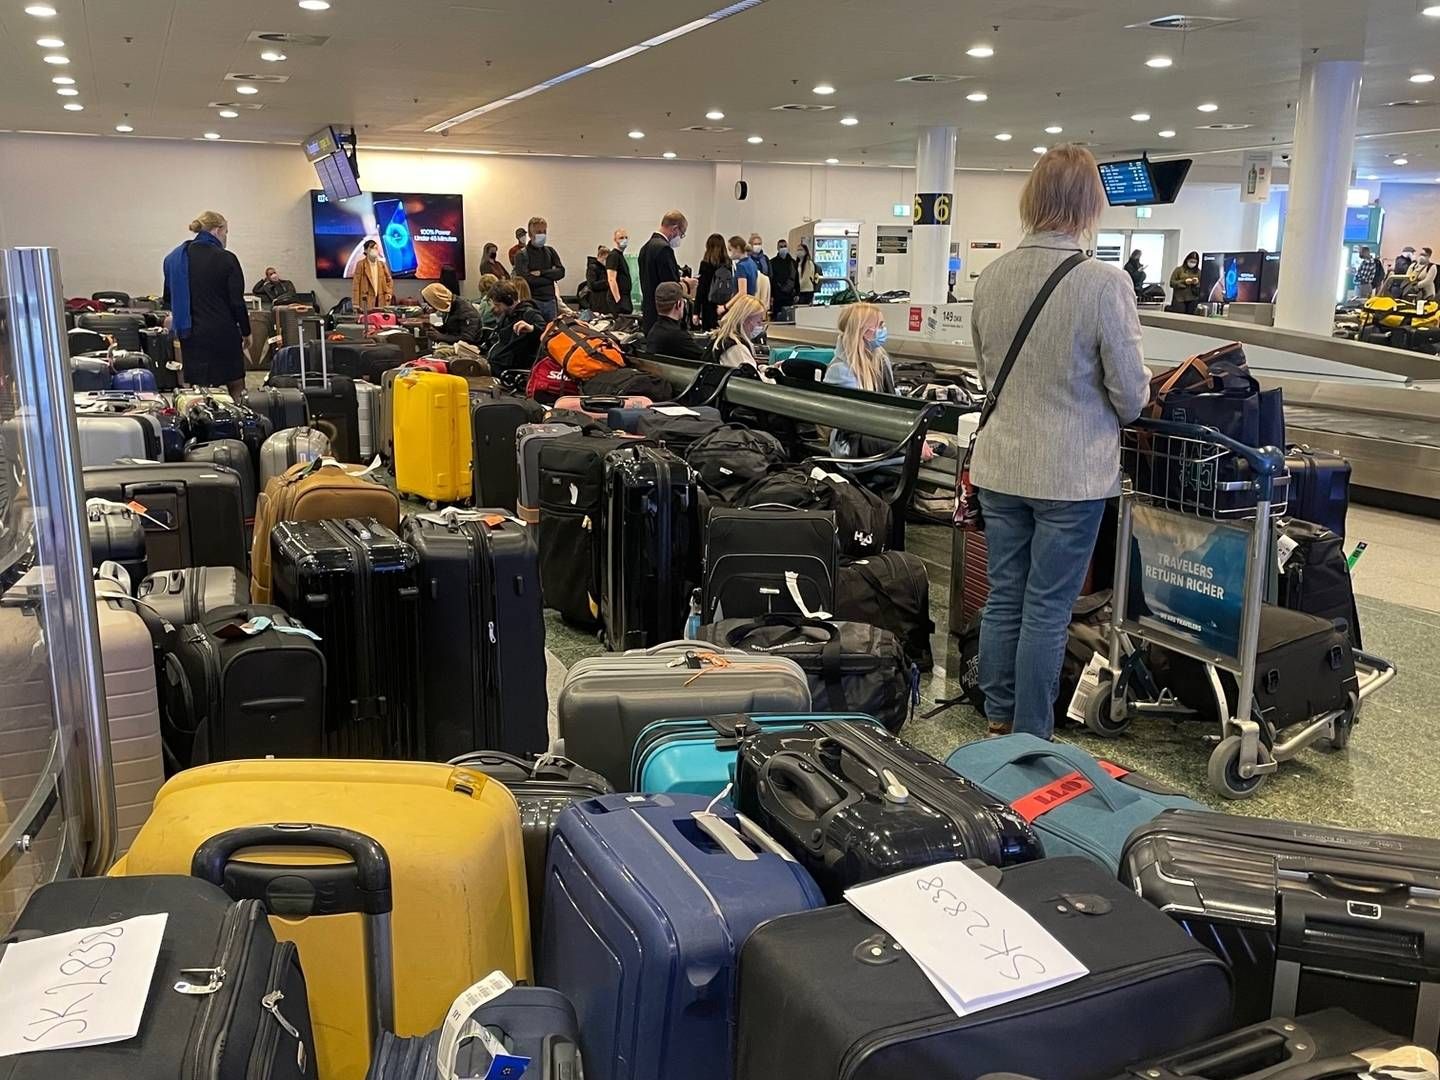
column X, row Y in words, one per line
column 709, row 129
column 1223, row 127
column 252, row 105
column 275, row 37
column 932, row 78
column 236, row 76
column 796, row 107
column 1183, row 23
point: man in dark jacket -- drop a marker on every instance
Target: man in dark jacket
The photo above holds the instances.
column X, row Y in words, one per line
column 272, row 288
column 541, row 268
column 657, row 262
column 517, row 340
column 668, row 337
column 461, row 318
column 784, row 279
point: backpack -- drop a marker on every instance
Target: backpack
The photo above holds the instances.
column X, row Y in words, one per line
column 862, row 518
column 580, row 350
column 730, row 457
column 722, row 285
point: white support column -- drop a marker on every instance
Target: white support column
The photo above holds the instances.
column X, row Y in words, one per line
column 1325, row 122
column 934, row 210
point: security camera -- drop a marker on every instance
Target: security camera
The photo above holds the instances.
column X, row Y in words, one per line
column 445, row 134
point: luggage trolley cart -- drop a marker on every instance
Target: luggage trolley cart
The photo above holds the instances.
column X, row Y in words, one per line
column 1193, row 557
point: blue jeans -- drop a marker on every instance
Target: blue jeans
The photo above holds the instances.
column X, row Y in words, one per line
column 1039, row 551
column 548, row 308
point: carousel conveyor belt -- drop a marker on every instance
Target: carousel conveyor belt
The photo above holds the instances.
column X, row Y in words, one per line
column 1390, row 455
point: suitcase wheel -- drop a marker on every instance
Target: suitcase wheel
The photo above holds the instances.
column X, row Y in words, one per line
column 1223, row 771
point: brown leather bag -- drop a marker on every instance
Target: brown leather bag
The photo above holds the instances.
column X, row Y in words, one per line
column 1191, row 374
column 314, row 491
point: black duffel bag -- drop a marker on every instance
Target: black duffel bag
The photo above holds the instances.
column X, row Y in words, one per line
column 627, row 382
column 731, row 457
column 851, row 667
column 892, row 591
column 862, row 518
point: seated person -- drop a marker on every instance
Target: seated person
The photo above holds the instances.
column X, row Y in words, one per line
column 272, row 288
column 488, row 318
column 460, row 319
column 743, row 323
column 668, row 337
column 517, row 341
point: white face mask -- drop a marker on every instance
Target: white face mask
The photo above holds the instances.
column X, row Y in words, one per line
column 676, row 241
column 755, row 331
column 372, row 255
column 757, row 248
column 623, row 243
column 782, row 251
column 539, row 239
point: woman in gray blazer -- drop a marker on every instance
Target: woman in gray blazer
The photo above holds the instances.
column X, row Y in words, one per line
column 1049, row 455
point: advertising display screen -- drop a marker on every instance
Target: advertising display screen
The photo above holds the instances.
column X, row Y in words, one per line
column 1232, row 277
column 419, row 235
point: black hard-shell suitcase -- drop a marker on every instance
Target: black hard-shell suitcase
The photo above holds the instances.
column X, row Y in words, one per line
column 892, row 591
column 357, row 585
column 234, row 455
column 118, row 537
column 828, row 995
column 189, row 595
column 79, row 342
column 158, row 344
column 253, row 1025
column 195, row 513
column 572, row 501
column 1309, row 916
column 652, row 539
column 234, row 694
column 854, row 803
column 211, row 421
column 482, row 627
column 283, row 406
column 1315, row 577
column 495, row 470
column 90, row 373
column 750, row 555
column 1319, row 490
column 543, row 787
column 332, row 401
column 125, row 329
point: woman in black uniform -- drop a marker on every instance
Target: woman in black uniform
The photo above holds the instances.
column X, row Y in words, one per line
column 205, row 293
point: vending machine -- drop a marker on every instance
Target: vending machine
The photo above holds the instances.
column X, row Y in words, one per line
column 835, row 248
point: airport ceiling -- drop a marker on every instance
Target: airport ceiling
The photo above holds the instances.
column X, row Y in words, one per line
column 397, row 69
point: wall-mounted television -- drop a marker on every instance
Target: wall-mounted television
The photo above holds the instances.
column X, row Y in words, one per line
column 419, row 235
column 333, row 164
column 1142, row 182
column 1363, row 224
column 1234, row 277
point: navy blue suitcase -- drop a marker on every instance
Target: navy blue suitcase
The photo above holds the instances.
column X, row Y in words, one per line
column 645, row 914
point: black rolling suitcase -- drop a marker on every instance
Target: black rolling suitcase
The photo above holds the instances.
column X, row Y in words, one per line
column 1315, row 577
column 157, row 343
column 482, row 627
column 254, row 1024
column 751, row 555
column 892, row 591
column 1319, row 490
column 90, row 373
column 194, row 513
column 118, row 536
column 242, row 693
column 1309, row 916
column 211, row 420
column 495, row 471
column 283, row 406
column 234, row 455
column 862, row 518
column 357, row 585
column 125, row 329
column 652, row 534
column 332, row 401
column 827, row 995
column 854, row 803
column 543, row 787
column 572, row 500
column 187, row 596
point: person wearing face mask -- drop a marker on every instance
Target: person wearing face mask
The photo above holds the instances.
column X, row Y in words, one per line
column 809, row 276
column 617, row 275
column 1420, row 282
column 272, row 288
column 747, row 274
column 594, row 292
column 540, row 266
column 1185, row 285
column 490, row 262
column 514, row 253
column 784, row 279
column 860, row 363
column 658, row 265
column 1368, row 273
column 372, row 286
column 205, row 295
column 743, row 323
column 757, row 252
column 460, row 319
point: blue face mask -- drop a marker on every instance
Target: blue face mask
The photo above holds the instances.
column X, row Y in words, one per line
column 882, row 334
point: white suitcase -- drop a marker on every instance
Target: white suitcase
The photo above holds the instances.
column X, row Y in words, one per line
column 367, row 403
column 105, row 438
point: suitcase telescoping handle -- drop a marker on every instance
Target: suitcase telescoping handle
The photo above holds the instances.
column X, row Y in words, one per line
column 361, row 886
column 319, row 333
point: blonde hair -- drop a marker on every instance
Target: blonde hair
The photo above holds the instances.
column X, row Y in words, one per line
column 207, row 220
column 522, row 288
column 1064, row 193
column 866, row 361
column 487, row 282
column 732, row 325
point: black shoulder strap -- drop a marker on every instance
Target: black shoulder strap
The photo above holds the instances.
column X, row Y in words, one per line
column 1026, row 324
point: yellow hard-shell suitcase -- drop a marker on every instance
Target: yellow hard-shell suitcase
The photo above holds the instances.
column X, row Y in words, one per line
column 457, row 868
column 432, row 436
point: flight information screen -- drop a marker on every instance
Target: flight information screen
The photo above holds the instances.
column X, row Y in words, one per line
column 1128, row 183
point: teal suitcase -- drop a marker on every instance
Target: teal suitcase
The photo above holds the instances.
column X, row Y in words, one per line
column 696, row 755
column 814, row 353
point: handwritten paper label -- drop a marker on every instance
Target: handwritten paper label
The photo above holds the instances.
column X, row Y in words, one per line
column 674, row 410
column 80, row 988
column 976, row 946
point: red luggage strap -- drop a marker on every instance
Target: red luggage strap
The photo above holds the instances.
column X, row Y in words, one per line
column 1059, row 792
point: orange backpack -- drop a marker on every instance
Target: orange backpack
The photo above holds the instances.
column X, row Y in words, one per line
column 581, row 351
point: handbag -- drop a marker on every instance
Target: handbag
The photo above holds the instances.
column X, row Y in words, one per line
column 967, row 500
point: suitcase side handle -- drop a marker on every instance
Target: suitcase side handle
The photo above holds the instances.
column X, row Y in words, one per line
column 798, row 797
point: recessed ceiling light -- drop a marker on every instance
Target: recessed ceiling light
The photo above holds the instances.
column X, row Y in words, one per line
column 315, row 5
column 74, row 106
column 246, row 88
column 63, row 80
column 50, row 43
column 229, row 114
column 1054, row 129
column 1038, row 149
column 1159, row 62
column 978, row 95
column 67, row 91
column 1371, row 176
column 669, row 155
column 1166, row 134
column 41, row 11
column 272, row 56
column 824, row 89
column 637, row 134
column 56, row 58
column 1433, row 11
column 1395, row 161
column 714, row 114
column 832, row 161
column 1004, row 136
column 1140, row 117
column 124, row 129
column 980, row 52
column 1209, row 106
column 212, row 135
column 849, row 121
column 755, row 140
column 1422, row 77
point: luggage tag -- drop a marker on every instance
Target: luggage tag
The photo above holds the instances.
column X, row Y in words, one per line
column 102, row 507
column 1284, row 547
column 1087, row 687
column 818, row 473
column 458, row 1028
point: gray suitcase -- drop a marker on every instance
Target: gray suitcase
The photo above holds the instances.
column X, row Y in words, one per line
column 528, row 440
column 367, row 400
column 350, row 331
column 607, row 701
column 185, row 596
column 290, row 447
column 105, row 438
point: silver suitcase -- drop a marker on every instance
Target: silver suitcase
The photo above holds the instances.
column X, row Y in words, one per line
column 367, row 403
column 107, row 437
column 185, row 596
column 607, row 701
column 288, row 447
column 528, row 439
